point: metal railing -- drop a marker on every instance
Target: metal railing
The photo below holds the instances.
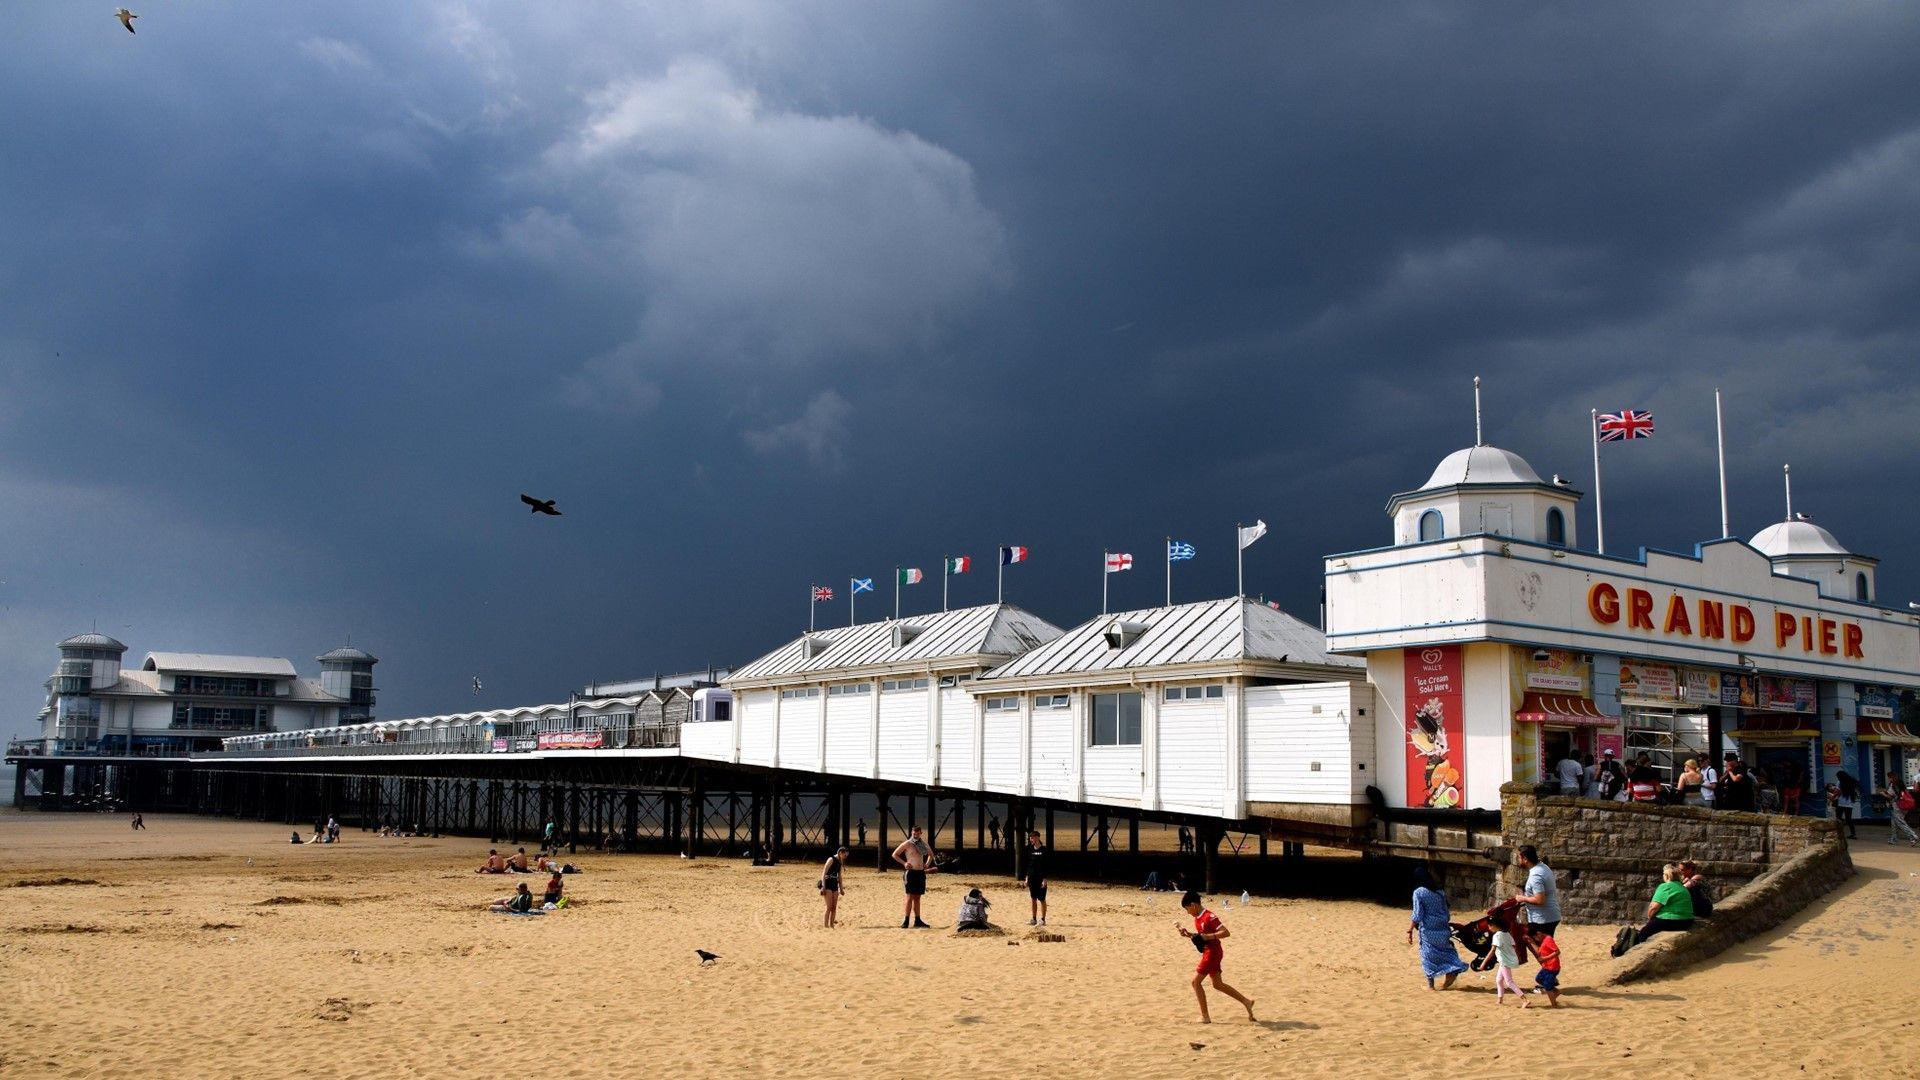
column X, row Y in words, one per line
column 109, row 747
column 649, row 737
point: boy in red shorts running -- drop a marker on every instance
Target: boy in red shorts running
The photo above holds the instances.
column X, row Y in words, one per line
column 1207, row 933
column 1547, row 979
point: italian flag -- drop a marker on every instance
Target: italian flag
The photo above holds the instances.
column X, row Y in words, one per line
column 911, row 576
column 959, row 564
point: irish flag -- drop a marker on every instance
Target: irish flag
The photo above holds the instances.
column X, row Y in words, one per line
column 910, row 576
column 959, row 564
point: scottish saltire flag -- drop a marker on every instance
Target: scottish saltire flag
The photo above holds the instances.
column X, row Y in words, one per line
column 1011, row 555
column 959, row 564
column 1250, row 533
column 822, row 593
column 862, row 584
column 1178, row 550
column 1626, row 424
column 1118, row 561
column 911, row 575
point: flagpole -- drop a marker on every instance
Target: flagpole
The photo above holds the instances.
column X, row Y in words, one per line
column 1103, row 580
column 1599, row 503
column 1239, row 562
column 812, row 605
column 1169, row 571
column 1000, row 578
column 851, row 593
column 1720, row 439
column 946, row 564
column 896, row 594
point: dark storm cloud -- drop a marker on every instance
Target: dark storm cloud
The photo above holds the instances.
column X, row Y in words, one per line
column 770, row 295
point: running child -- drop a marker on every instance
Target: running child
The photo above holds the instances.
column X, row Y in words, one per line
column 1207, row 933
column 1506, row 959
column 1547, row 979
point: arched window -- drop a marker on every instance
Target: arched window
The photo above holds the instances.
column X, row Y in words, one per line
column 1556, row 527
column 1432, row 525
column 1860, row 591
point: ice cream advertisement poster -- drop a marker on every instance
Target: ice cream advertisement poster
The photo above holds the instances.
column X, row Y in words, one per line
column 1436, row 757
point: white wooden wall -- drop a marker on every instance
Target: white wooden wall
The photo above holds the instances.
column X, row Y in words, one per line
column 755, row 712
column 903, row 735
column 957, row 725
column 1001, row 751
column 849, row 727
column 712, row 741
column 1310, row 743
column 1193, row 756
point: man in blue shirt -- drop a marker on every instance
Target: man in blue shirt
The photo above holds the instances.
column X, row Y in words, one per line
column 1542, row 892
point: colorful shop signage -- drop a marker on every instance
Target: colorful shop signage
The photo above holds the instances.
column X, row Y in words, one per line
column 1700, row 687
column 1558, row 670
column 1436, row 732
column 1648, row 682
column 1878, row 702
column 571, row 740
column 1769, row 694
column 1671, row 614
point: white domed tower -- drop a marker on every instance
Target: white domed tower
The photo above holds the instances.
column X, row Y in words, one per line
column 347, row 673
column 1799, row 548
column 1484, row 489
column 88, row 662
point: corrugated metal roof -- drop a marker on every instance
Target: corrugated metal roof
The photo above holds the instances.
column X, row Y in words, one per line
column 1213, row 631
column 989, row 630
column 210, row 664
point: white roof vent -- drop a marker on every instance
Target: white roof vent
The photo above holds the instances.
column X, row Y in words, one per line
column 813, row 645
column 904, row 633
column 1121, row 633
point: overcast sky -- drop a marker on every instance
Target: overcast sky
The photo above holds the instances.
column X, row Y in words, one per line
column 295, row 303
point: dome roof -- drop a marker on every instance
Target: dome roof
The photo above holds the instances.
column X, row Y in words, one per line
column 347, row 653
column 1482, row 465
column 1788, row 538
column 92, row 641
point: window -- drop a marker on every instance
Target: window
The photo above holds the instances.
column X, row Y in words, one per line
column 1193, row 693
column 950, row 681
column 1050, row 701
column 1556, row 527
column 1003, row 704
column 802, row 692
column 1116, row 719
column 723, row 710
column 1860, row 590
column 1432, row 525
column 847, row 689
column 892, row 685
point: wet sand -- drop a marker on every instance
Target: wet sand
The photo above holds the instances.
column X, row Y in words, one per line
column 169, row 953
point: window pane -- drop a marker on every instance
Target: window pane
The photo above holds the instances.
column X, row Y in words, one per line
column 1105, row 719
column 1129, row 733
column 1216, row 691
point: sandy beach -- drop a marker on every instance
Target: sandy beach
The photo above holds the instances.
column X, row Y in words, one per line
column 210, row 947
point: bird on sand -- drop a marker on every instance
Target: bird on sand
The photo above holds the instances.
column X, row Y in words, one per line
column 706, row 957
column 126, row 18
column 540, row 506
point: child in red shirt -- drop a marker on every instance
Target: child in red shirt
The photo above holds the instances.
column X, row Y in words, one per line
column 1206, row 935
column 1547, row 951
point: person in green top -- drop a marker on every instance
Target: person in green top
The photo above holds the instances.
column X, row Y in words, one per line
column 1671, row 910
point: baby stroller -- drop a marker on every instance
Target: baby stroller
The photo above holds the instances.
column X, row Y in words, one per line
column 1477, row 936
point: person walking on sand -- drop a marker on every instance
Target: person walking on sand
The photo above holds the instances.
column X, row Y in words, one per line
column 862, row 827
column 1541, row 895
column 1207, row 934
column 1900, row 803
column 549, row 840
column 1036, row 879
column 1506, row 962
column 1842, row 794
column 914, row 856
column 1547, row 979
column 833, row 883
column 1432, row 921
column 139, row 823
column 993, row 832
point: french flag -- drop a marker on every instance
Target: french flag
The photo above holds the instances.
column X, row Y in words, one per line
column 1011, row 555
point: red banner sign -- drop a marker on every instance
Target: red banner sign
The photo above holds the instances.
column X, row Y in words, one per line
column 1436, row 739
column 571, row 740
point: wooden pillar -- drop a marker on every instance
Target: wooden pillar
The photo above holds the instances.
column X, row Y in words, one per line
column 880, row 851
column 1014, row 815
column 833, row 822
column 1210, row 846
column 1263, row 845
column 1049, row 828
column 697, row 821
column 1103, row 834
column 959, row 825
column 733, row 822
column 773, row 809
column 758, row 812
column 980, row 824
column 1133, row 834
column 573, row 818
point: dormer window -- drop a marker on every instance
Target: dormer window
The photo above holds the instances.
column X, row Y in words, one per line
column 1556, row 527
column 1861, row 591
column 1121, row 633
column 811, row 647
column 1432, row 526
column 903, row 634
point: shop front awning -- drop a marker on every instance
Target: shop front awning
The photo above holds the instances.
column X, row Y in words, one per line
column 1887, row 733
column 1759, row 727
column 1560, row 710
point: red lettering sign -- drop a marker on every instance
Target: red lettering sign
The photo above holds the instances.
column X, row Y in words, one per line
column 1826, row 637
column 1436, row 729
column 1713, row 619
column 1639, row 609
column 1603, row 603
column 1743, row 627
column 1677, row 616
column 1852, row 634
column 1784, row 627
column 1718, row 620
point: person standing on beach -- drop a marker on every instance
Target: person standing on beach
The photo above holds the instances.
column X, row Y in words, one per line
column 1432, row 920
column 1547, row 979
column 914, row 856
column 139, row 823
column 833, row 884
column 1207, row 934
column 548, row 838
column 862, row 826
column 1541, row 895
column 1036, row 879
column 993, row 831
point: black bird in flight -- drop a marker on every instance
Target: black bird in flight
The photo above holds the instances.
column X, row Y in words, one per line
column 540, row 506
column 126, row 18
column 706, row 957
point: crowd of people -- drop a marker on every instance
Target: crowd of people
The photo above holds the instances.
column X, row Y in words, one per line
column 1736, row 785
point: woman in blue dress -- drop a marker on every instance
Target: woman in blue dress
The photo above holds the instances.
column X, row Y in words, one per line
column 1432, row 921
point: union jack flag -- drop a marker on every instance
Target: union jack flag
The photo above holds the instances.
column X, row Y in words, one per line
column 822, row 593
column 1626, row 424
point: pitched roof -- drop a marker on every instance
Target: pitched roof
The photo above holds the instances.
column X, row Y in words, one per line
column 211, row 664
column 1212, row 631
column 991, row 630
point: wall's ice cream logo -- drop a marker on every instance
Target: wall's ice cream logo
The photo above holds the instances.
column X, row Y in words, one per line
column 1434, row 729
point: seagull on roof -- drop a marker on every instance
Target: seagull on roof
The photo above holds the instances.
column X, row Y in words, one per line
column 540, row 506
column 126, row 18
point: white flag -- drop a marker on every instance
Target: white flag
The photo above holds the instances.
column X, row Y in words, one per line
column 1250, row 533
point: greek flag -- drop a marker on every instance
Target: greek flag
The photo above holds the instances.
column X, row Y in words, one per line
column 1178, row 550
column 862, row 584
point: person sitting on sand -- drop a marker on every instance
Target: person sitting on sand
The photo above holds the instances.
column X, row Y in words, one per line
column 555, row 885
column 296, row 839
column 517, row 862
column 1671, row 910
column 519, row 903
column 494, row 864
column 973, row 911
column 1207, row 934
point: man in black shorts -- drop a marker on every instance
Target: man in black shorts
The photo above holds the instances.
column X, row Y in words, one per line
column 915, row 857
column 1036, row 879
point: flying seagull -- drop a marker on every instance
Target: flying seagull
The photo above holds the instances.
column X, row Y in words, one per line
column 540, row 506
column 126, row 18
column 706, row 957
